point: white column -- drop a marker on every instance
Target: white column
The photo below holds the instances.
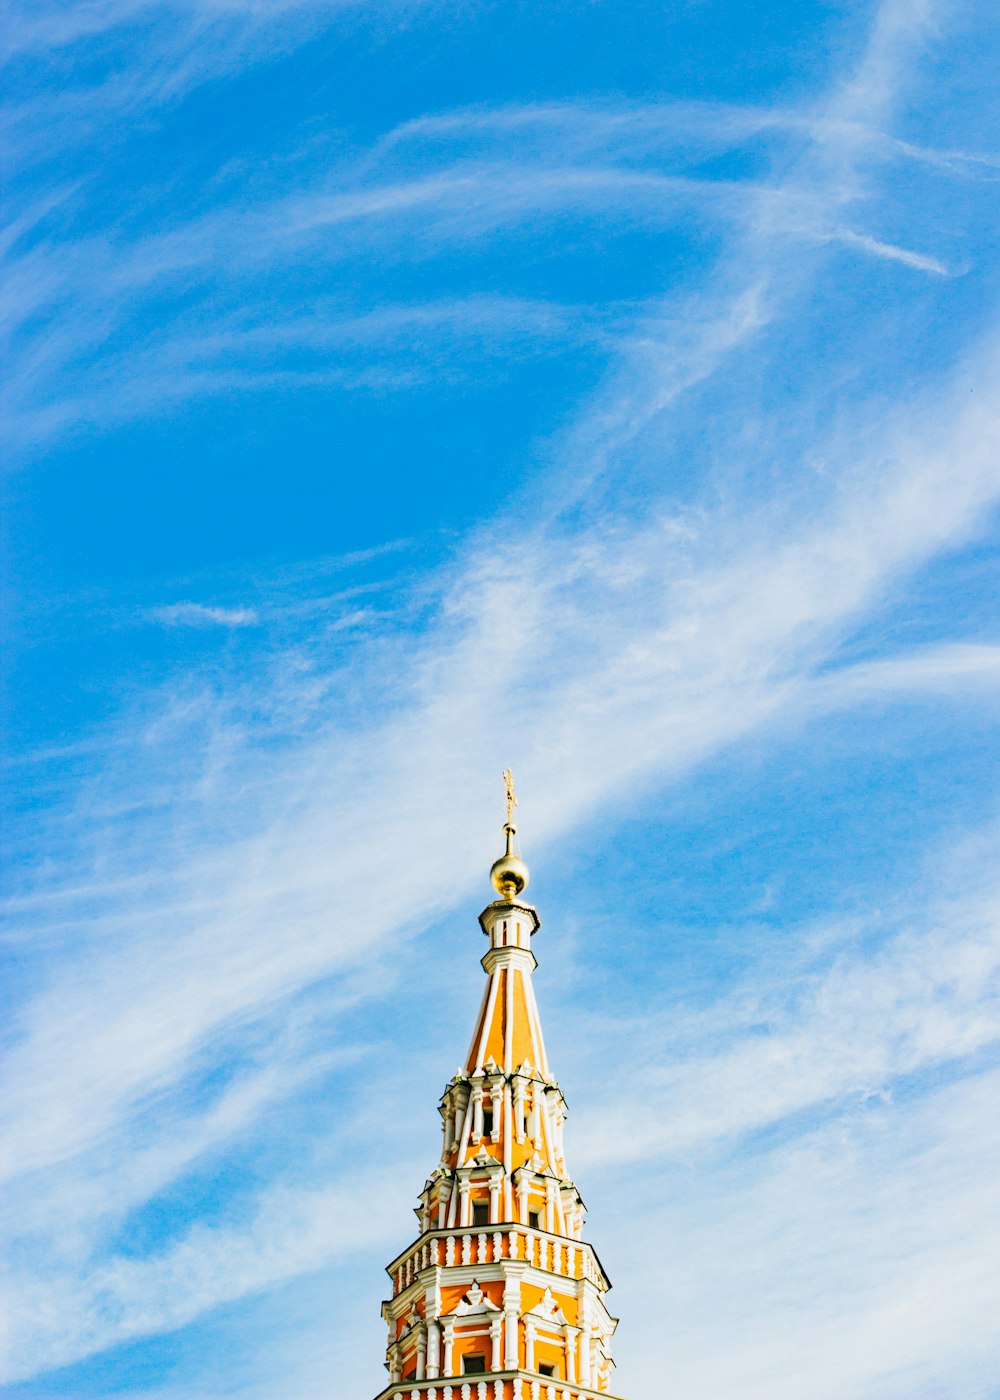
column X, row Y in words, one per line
column 496, row 1103
column 448, row 1327
column 421, row 1355
column 463, row 1142
column 433, row 1350
column 534, row 1126
column 585, row 1367
column 572, row 1333
column 464, row 1207
column 522, row 1198
column 512, row 1311
column 477, row 1111
column 529, row 1344
column 587, row 1357
column 550, row 1191
column 496, row 1339
column 519, row 1109
column 494, row 1200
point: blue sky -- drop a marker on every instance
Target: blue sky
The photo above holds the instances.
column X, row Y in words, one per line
column 399, row 392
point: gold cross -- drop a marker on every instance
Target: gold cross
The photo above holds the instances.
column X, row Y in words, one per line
column 508, row 778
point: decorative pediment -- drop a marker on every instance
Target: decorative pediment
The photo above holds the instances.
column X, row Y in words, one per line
column 475, row 1301
column 549, row 1309
column 484, row 1158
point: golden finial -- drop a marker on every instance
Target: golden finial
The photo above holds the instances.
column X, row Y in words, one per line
column 508, row 778
column 509, row 874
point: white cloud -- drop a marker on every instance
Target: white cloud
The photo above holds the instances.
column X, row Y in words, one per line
column 921, row 262
column 291, row 1232
column 436, row 183
column 948, row 668
column 204, row 615
column 854, row 1260
column 885, row 1004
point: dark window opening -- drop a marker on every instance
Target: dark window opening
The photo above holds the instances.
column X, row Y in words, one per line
column 411, row 1374
column 488, row 1122
column 533, row 1220
column 480, row 1212
column 473, row 1364
column 546, row 1370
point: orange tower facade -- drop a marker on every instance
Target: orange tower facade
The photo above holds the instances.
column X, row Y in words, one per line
column 500, row 1297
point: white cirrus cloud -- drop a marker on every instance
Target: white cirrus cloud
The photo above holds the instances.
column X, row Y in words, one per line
column 189, row 614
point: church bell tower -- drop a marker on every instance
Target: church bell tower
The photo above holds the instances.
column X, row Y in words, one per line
column 500, row 1297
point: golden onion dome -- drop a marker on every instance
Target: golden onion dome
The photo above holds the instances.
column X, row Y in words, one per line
column 509, row 874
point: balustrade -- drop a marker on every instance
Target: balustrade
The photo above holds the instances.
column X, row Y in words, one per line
column 508, row 1242
column 501, row 1388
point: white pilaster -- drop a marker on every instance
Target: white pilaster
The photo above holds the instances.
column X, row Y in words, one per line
column 433, row 1350
column 522, row 1197
column 572, row 1335
column 448, row 1329
column 512, row 1311
column 529, row 1343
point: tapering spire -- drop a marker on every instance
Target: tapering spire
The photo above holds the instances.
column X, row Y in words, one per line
column 500, row 1285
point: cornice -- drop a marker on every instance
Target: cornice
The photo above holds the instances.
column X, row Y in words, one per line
column 509, row 956
column 507, row 909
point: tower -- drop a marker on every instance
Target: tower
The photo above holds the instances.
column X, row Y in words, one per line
column 499, row 1297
